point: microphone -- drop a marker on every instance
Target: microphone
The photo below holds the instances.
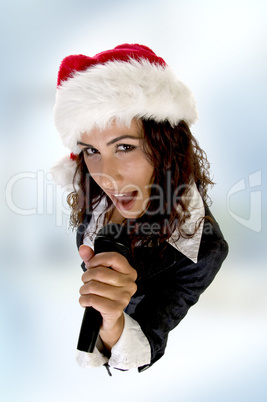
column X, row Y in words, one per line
column 112, row 237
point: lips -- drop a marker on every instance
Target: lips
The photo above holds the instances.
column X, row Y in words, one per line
column 124, row 201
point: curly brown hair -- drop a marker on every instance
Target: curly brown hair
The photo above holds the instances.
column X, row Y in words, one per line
column 178, row 161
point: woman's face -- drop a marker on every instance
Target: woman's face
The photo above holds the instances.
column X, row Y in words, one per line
column 116, row 161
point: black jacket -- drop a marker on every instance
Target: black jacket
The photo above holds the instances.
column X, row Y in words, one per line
column 169, row 283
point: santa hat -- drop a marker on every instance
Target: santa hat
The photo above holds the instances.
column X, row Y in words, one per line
column 129, row 81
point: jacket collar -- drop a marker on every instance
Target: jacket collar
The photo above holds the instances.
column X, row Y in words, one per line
column 190, row 246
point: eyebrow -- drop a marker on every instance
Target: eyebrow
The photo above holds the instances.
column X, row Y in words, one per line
column 122, row 137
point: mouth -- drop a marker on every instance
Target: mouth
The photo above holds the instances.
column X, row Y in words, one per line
column 124, row 201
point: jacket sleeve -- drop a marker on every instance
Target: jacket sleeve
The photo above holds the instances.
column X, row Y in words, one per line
column 167, row 296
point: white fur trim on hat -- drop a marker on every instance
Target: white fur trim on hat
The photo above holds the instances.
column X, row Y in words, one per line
column 63, row 172
column 120, row 91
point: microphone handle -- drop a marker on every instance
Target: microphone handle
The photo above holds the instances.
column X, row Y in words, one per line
column 89, row 332
column 92, row 319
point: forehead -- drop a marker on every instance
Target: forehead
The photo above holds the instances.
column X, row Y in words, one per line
column 115, row 129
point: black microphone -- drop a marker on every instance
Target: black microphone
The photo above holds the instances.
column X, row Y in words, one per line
column 111, row 237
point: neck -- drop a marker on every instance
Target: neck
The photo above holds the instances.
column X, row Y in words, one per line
column 114, row 216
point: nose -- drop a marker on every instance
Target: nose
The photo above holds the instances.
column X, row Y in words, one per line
column 110, row 176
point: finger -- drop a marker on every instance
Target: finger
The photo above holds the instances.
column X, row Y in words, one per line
column 115, row 261
column 126, row 290
column 106, row 275
column 86, row 253
column 112, row 308
column 102, row 274
column 122, row 294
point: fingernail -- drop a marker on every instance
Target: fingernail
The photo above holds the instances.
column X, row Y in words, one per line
column 82, row 245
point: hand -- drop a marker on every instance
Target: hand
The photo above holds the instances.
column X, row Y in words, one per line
column 107, row 290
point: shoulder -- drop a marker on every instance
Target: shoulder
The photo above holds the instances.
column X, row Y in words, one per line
column 212, row 241
column 168, row 261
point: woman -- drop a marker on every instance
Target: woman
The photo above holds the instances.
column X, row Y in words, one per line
column 125, row 117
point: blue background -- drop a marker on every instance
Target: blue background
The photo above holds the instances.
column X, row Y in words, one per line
column 218, row 48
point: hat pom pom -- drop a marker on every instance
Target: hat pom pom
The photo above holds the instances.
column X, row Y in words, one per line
column 63, row 171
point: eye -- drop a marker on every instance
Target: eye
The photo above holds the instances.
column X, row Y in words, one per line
column 90, row 151
column 125, row 147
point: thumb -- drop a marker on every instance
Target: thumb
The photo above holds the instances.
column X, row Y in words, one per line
column 86, row 253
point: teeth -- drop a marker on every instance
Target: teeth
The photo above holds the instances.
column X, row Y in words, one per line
column 120, row 195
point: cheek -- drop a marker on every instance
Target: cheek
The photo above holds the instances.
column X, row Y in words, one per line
column 92, row 171
column 146, row 179
column 148, row 174
column 91, row 167
column 140, row 175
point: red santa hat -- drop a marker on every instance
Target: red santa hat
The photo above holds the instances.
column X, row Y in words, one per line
column 129, row 81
